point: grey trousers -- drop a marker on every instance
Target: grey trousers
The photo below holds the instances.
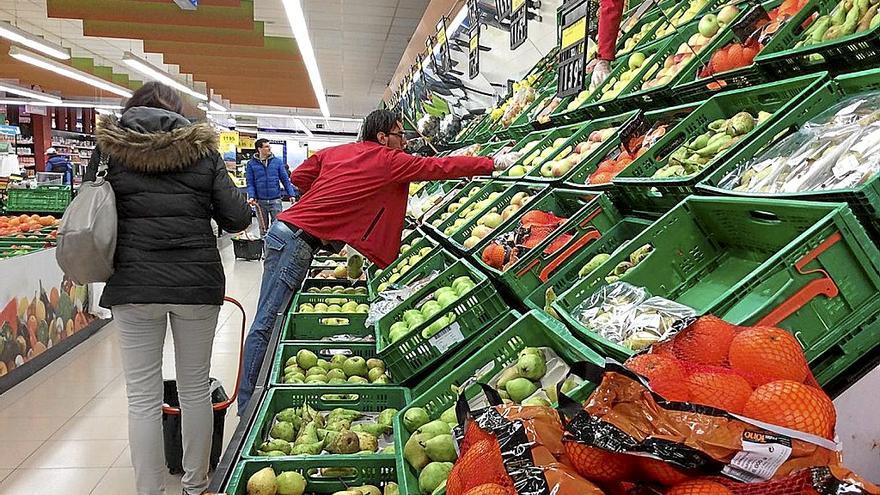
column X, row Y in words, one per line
column 142, row 335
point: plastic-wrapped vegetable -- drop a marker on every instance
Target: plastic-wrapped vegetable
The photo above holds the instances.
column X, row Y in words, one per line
column 838, row 149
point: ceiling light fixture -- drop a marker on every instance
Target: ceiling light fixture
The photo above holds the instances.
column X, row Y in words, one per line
column 77, row 104
column 15, row 34
column 301, row 32
column 159, row 75
column 67, row 71
column 22, row 91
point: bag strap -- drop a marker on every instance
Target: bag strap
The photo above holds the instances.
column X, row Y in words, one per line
column 103, row 165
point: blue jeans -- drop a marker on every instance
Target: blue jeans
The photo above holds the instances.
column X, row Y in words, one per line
column 286, row 265
column 269, row 209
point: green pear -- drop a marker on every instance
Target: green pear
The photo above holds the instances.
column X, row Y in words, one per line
column 567, row 386
column 337, row 360
column 388, row 449
column 283, row 430
column 275, row 453
column 316, row 379
column 536, row 401
column 531, row 366
column 375, row 429
column 290, row 415
column 433, row 475
column 290, row 483
column 262, row 482
column 275, row 444
column 306, row 359
column 374, row 373
column 449, row 415
column 357, row 379
column 383, row 379
column 531, row 350
column 316, row 370
column 441, row 448
column 369, row 490
column 313, row 448
column 414, row 453
column 391, row 488
column 291, row 361
column 414, row 418
column 324, row 365
column 520, row 388
column 434, row 428
column 367, row 441
column 375, row 363
column 386, row 416
column 355, row 366
column 507, row 375
column 346, row 442
column 336, row 373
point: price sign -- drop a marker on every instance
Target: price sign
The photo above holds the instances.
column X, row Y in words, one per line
column 574, row 18
column 473, row 12
column 747, row 25
column 474, row 52
column 503, row 7
column 519, row 23
column 444, row 63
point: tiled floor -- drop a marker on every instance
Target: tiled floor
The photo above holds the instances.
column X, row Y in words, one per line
column 65, row 429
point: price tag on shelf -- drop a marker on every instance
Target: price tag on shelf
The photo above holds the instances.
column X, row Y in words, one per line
column 474, row 52
column 519, row 23
column 574, row 18
column 447, row 338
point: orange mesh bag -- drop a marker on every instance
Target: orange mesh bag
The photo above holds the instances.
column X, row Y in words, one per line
column 672, row 442
column 515, row 448
column 758, row 372
column 815, row 481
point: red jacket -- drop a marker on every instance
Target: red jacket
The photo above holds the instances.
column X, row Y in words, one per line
column 610, row 12
column 357, row 193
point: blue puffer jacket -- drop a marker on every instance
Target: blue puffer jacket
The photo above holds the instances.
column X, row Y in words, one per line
column 264, row 181
column 60, row 164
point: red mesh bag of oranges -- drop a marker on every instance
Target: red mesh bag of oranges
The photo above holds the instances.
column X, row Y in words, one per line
column 510, row 449
column 814, row 481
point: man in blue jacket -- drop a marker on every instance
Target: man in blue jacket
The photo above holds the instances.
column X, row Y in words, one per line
column 266, row 175
column 61, row 164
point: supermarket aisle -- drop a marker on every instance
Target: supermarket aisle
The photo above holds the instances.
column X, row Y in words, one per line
column 65, row 428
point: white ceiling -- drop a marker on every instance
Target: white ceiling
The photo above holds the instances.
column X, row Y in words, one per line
column 358, row 43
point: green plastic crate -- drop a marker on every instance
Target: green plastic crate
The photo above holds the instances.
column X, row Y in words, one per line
column 654, row 18
column 864, row 200
column 408, row 239
column 437, row 260
column 851, row 52
column 318, row 326
column 43, row 199
column 363, row 398
column 644, row 194
column 665, row 95
column 473, row 311
column 387, row 276
column 461, row 234
column 534, row 329
column 324, row 350
column 322, row 285
column 581, row 176
column 752, row 261
column 372, row 470
column 435, row 218
column 589, row 216
column 489, row 189
column 303, row 298
column 566, row 274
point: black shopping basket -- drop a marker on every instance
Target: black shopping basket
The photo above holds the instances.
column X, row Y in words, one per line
column 246, row 248
column 171, row 425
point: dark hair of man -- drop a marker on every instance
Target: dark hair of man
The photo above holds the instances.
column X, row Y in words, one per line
column 259, row 143
column 378, row 121
column 155, row 95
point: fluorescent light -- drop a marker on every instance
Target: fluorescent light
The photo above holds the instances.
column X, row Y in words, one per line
column 160, row 75
column 15, row 34
column 77, row 104
column 21, row 91
column 216, row 106
column 67, row 71
column 10, row 101
column 301, row 32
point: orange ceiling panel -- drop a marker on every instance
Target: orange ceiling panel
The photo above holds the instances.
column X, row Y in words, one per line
column 168, row 14
column 273, row 48
column 244, row 39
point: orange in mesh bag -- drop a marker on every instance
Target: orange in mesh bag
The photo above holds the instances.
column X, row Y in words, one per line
column 623, row 416
column 515, row 448
column 815, row 481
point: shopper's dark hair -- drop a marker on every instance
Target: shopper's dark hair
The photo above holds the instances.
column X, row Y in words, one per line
column 260, row 142
column 378, row 121
column 155, row 95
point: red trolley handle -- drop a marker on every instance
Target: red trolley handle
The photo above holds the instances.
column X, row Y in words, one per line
column 223, row 405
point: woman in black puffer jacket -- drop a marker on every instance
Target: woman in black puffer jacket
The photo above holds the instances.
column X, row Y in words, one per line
column 169, row 182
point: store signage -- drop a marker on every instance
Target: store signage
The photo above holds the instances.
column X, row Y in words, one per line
column 10, row 130
column 574, row 18
column 503, row 7
column 473, row 7
column 519, row 23
column 474, row 52
column 444, row 62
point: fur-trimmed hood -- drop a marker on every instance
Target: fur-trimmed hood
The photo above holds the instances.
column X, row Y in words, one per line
column 151, row 140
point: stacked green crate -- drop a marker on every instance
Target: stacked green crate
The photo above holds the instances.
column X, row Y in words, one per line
column 753, row 261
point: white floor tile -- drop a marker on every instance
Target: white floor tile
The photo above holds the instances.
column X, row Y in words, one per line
column 76, row 454
column 78, row 481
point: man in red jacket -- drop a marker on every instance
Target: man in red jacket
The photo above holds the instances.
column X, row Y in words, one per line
column 610, row 12
column 353, row 194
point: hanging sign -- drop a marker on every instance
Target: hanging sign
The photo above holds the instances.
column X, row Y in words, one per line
column 574, row 18
column 519, row 23
column 474, row 52
column 503, row 7
column 444, row 62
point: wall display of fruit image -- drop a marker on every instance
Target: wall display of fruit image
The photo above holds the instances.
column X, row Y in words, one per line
column 40, row 309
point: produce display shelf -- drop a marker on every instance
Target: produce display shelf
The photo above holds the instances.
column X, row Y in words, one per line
column 435, row 218
column 472, row 312
column 323, row 474
column 648, row 195
column 43, row 199
column 324, row 350
column 863, row 199
column 589, row 217
column 390, row 276
column 533, row 329
column 323, row 398
column 751, row 261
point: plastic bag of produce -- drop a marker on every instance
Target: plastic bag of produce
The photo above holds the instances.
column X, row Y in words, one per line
column 837, row 149
column 630, row 316
column 392, row 298
column 814, row 481
column 510, row 449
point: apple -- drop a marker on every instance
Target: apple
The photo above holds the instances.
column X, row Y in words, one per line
column 491, row 220
column 470, row 242
column 481, row 231
column 516, row 171
column 560, row 169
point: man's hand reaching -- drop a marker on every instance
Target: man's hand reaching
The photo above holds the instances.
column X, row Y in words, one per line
column 506, row 160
